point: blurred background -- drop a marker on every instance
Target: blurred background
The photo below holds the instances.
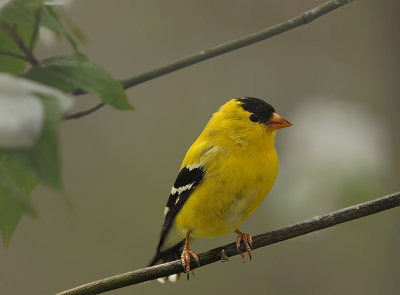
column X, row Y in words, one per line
column 336, row 79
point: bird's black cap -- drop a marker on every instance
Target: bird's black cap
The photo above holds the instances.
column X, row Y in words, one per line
column 261, row 111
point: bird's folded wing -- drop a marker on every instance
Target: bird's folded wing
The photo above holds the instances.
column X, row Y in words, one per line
column 188, row 179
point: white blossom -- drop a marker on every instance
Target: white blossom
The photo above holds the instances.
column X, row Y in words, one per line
column 3, row 2
column 22, row 112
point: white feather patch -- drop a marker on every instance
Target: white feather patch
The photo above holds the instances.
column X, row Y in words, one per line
column 161, row 280
column 181, row 189
column 166, row 209
column 173, row 190
column 184, row 188
column 173, row 278
column 191, row 167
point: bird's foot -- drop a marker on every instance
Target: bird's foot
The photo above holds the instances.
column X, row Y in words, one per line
column 248, row 242
column 185, row 258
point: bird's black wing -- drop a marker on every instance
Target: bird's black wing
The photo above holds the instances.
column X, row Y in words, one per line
column 186, row 182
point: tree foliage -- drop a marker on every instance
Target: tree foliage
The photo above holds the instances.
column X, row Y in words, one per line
column 33, row 102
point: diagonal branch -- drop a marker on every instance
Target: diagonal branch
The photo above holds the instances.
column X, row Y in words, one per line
column 301, row 19
column 262, row 240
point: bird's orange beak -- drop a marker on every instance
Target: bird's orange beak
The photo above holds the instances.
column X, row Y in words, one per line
column 278, row 122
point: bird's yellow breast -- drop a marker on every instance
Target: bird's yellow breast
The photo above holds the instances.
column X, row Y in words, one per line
column 237, row 179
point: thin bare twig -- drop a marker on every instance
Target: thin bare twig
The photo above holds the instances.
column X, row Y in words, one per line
column 84, row 113
column 301, row 19
column 262, row 240
column 38, row 15
column 16, row 55
column 12, row 31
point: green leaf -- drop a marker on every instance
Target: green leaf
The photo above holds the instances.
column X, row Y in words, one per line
column 23, row 12
column 20, row 11
column 22, row 168
column 17, row 181
column 71, row 72
column 66, row 17
column 51, row 20
column 12, row 64
column 44, row 156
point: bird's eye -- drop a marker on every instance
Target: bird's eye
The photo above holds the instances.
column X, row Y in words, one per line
column 253, row 118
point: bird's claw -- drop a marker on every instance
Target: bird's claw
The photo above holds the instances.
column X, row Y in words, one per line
column 185, row 259
column 248, row 242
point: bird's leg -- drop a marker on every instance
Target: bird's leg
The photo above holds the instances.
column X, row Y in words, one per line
column 247, row 240
column 185, row 257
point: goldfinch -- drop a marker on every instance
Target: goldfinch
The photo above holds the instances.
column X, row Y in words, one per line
column 224, row 177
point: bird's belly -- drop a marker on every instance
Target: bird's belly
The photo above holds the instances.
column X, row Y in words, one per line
column 216, row 209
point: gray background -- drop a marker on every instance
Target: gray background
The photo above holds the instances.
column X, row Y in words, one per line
column 336, row 79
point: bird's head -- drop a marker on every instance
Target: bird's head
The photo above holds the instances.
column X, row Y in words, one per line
column 250, row 112
column 247, row 119
column 259, row 112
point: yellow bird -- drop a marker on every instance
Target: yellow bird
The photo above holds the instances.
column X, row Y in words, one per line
column 226, row 174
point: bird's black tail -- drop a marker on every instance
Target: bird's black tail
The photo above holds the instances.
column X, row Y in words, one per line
column 171, row 254
column 168, row 255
